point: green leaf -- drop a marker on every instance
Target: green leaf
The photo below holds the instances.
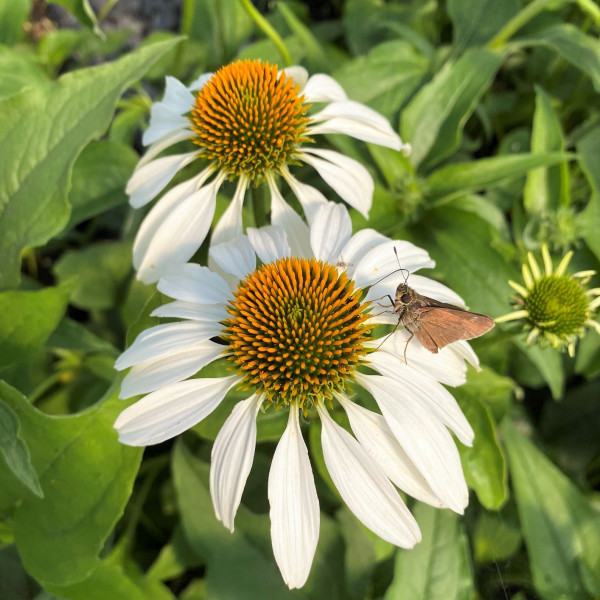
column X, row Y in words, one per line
column 463, row 178
column 385, row 78
column 484, row 463
column 60, row 118
column 83, row 12
column 559, row 524
column 476, row 22
column 15, row 451
column 27, row 319
column 434, row 119
column 13, row 15
column 581, row 50
column 588, row 148
column 546, row 188
column 438, row 568
column 86, row 476
column 548, row 363
column 19, row 69
column 453, row 238
column 234, row 566
column 71, row 335
column 99, row 272
column 99, row 178
column 496, row 537
column 221, row 24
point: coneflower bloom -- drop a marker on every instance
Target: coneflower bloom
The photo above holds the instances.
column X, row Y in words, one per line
column 296, row 333
column 554, row 306
column 249, row 123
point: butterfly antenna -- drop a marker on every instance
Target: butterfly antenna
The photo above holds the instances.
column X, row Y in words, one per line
column 401, row 269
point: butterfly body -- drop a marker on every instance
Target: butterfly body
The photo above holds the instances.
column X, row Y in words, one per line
column 436, row 324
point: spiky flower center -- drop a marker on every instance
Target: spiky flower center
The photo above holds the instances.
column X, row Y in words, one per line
column 249, row 119
column 297, row 331
column 558, row 305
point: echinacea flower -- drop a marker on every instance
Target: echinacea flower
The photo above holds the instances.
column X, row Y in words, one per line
column 250, row 122
column 554, row 306
column 297, row 332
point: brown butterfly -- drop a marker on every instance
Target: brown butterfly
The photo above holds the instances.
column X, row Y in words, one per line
column 435, row 324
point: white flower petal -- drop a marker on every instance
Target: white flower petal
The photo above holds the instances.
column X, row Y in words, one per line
column 200, row 82
column 178, row 97
column 294, row 505
column 358, row 245
column 171, row 410
column 169, row 139
column 269, row 242
column 375, row 436
column 165, row 339
column 236, row 257
column 163, row 122
column 345, row 175
column 426, row 391
column 153, row 374
column 357, row 120
column 382, row 261
column 425, row 440
column 447, row 366
column 193, row 283
column 462, row 349
column 297, row 73
column 309, row 197
column 148, row 181
column 229, row 226
column 330, row 231
column 284, row 216
column 364, row 487
column 191, row 310
column 323, row 88
column 231, row 459
column 177, row 238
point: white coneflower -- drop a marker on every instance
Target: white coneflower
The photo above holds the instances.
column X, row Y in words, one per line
column 297, row 332
column 554, row 306
column 250, row 123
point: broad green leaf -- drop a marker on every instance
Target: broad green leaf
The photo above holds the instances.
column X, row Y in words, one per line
column 548, row 363
column 86, row 476
column 100, row 175
column 453, row 238
column 234, row 566
column 438, row 568
column 588, row 148
column 385, row 78
column 15, row 451
column 13, row 15
column 221, row 24
column 19, row 69
column 72, row 335
column 83, row 12
column 434, row 119
column 559, row 524
column 360, row 558
column 496, row 537
column 494, row 391
column 98, row 272
column 573, row 45
column 175, row 558
column 463, row 178
column 27, row 319
column 61, row 118
column 546, row 188
column 484, row 464
column 110, row 581
column 476, row 22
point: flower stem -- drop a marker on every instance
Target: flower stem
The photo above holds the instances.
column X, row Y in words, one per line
column 259, row 205
column 269, row 31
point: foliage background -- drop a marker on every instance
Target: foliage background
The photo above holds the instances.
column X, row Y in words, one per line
column 500, row 100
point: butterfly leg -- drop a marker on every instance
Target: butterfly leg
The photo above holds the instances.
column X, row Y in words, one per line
column 388, row 335
column 412, row 335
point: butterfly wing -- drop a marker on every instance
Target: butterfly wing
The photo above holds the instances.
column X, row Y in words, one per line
column 440, row 326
